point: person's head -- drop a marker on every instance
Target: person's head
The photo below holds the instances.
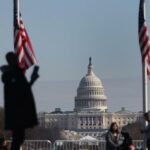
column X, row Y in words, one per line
column 147, row 116
column 12, row 59
column 114, row 127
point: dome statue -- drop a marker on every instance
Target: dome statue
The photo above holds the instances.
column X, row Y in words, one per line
column 90, row 93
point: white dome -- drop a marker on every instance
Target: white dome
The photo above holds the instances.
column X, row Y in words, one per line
column 90, row 93
column 90, row 80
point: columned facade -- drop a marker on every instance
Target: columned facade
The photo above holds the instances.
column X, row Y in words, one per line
column 89, row 116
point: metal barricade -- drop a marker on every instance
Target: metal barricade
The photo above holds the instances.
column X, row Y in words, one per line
column 70, row 145
column 37, row 145
column 139, row 144
column 78, row 145
column 88, row 145
column 34, row 145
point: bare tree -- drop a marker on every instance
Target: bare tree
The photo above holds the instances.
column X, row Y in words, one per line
column 134, row 130
column 41, row 133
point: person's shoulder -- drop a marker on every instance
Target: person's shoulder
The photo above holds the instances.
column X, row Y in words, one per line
column 108, row 133
column 4, row 68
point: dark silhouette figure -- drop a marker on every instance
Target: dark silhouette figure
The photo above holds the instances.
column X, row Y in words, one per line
column 20, row 110
column 146, row 131
column 127, row 142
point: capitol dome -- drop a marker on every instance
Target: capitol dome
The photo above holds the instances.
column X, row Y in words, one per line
column 90, row 93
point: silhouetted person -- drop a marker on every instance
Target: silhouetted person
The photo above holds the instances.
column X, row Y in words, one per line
column 20, row 111
column 146, row 131
column 127, row 142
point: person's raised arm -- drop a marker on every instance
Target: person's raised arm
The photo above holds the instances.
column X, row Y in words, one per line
column 34, row 75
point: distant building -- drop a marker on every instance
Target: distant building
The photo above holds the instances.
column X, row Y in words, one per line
column 90, row 115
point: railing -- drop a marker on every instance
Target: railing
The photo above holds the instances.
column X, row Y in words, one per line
column 35, row 145
column 138, row 144
column 88, row 145
column 79, row 145
column 69, row 145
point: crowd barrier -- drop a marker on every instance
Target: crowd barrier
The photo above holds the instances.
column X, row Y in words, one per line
column 35, row 145
column 69, row 145
column 79, row 145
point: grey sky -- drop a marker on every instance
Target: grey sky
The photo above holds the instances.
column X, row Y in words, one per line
column 64, row 33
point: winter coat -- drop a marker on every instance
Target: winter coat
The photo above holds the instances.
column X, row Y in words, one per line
column 113, row 142
column 20, row 111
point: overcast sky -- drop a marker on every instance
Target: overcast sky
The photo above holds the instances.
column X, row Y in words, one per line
column 65, row 33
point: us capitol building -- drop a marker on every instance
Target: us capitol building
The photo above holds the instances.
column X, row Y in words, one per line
column 90, row 115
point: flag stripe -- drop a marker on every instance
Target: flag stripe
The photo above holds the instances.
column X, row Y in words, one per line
column 22, row 44
column 28, row 54
column 144, row 41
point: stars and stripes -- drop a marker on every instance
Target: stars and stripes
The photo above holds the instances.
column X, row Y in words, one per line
column 144, row 41
column 22, row 44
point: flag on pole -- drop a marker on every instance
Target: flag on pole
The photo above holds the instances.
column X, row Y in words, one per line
column 144, row 41
column 22, row 45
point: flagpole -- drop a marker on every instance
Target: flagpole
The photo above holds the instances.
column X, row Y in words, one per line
column 145, row 82
column 16, row 9
column 145, row 89
column 145, row 94
column 145, row 48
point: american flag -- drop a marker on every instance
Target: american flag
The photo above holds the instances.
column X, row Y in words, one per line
column 144, row 41
column 22, row 44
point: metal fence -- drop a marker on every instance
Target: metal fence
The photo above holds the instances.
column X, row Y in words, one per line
column 79, row 145
column 88, row 145
column 139, row 144
column 35, row 145
column 69, row 145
